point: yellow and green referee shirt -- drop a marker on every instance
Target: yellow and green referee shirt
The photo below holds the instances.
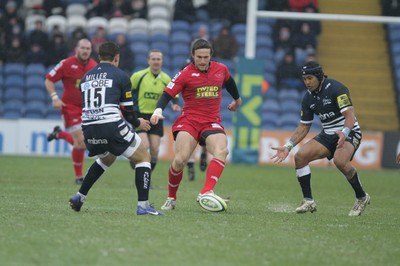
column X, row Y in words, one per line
column 146, row 89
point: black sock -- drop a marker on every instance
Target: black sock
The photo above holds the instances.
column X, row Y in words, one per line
column 94, row 172
column 142, row 181
column 305, row 183
column 190, row 164
column 356, row 185
column 153, row 164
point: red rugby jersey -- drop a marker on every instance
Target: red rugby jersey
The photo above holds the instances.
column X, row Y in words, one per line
column 201, row 91
column 70, row 71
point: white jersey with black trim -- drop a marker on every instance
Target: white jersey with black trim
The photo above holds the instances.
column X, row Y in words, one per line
column 104, row 89
column 328, row 104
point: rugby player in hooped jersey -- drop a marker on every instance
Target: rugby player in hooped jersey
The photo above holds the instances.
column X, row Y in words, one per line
column 340, row 138
column 200, row 84
column 106, row 94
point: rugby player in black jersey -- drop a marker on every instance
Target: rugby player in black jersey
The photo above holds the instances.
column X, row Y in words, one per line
column 106, row 94
column 339, row 139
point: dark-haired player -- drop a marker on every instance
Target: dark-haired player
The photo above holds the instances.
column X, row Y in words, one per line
column 340, row 138
column 200, row 84
column 106, row 93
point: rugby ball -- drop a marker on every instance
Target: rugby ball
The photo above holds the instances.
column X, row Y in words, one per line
column 212, row 203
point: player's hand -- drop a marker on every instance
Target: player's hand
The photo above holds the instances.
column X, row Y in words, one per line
column 57, row 103
column 281, row 154
column 157, row 115
column 144, row 124
column 342, row 138
column 234, row 105
column 176, row 107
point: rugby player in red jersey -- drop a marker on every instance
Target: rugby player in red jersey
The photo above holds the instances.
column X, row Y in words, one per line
column 70, row 71
column 200, row 84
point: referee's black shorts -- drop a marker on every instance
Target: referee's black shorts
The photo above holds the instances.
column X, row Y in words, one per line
column 155, row 129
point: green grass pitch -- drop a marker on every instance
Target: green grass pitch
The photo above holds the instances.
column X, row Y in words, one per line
column 259, row 228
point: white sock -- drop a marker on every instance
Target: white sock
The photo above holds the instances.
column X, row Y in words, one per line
column 143, row 204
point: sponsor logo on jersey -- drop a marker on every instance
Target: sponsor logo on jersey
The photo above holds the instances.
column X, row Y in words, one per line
column 326, row 101
column 74, row 66
column 207, row 92
column 170, row 85
column 343, row 101
column 94, row 141
column 326, row 115
column 128, row 94
column 195, row 74
column 312, row 106
column 151, row 95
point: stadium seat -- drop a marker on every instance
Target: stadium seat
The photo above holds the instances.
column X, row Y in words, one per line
column 265, row 53
column 289, row 121
column 76, row 9
column 180, row 37
column 34, row 81
column 270, row 67
column 272, row 93
column 289, row 94
column 13, row 109
column 159, row 26
column 139, row 47
column 263, row 30
column 238, row 28
column 35, row 109
column 179, row 49
column 14, row 81
column 94, row 22
column 291, row 106
column 140, row 60
column 52, row 113
column 138, row 37
column 138, row 25
column 178, row 61
column 159, row 37
column 162, row 46
column 31, row 19
column 264, row 41
column 158, row 12
column 270, row 106
column 117, row 25
column 14, row 93
column 14, row 69
column 74, row 22
column 270, row 78
column 180, row 25
column 270, row 121
column 215, row 28
column 36, row 94
column 56, row 21
column 35, row 69
column 153, row 3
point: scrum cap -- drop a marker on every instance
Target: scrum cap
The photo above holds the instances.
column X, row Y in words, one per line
column 313, row 68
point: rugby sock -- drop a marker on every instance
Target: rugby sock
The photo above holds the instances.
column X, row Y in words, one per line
column 356, row 185
column 174, row 179
column 65, row 136
column 153, row 163
column 190, row 164
column 94, row 172
column 142, row 180
column 304, row 178
column 214, row 172
column 77, row 160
